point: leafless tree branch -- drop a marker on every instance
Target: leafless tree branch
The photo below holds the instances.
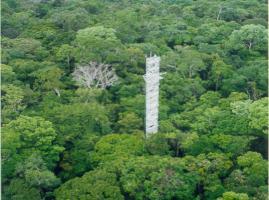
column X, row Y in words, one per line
column 95, row 75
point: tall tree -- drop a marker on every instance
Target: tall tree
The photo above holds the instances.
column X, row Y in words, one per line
column 26, row 136
column 95, row 43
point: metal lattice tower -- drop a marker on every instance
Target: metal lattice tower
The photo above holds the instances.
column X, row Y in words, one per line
column 152, row 79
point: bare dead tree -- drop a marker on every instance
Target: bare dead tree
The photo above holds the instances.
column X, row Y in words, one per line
column 95, row 75
column 219, row 13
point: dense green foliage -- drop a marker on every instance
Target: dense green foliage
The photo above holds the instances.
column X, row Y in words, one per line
column 65, row 142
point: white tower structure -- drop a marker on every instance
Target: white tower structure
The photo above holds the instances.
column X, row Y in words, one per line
column 152, row 78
